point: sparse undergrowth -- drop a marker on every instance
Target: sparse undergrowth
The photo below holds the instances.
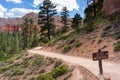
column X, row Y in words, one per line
column 66, row 48
column 58, row 71
column 31, row 67
column 77, row 44
column 117, row 47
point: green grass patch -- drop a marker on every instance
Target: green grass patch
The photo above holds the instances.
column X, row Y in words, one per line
column 117, row 47
column 2, row 70
column 59, row 71
column 5, row 56
column 18, row 71
column 77, row 44
column 52, row 42
column 66, row 48
column 45, row 77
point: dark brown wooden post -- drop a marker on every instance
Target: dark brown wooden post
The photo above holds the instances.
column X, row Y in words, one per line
column 100, row 63
column 100, row 66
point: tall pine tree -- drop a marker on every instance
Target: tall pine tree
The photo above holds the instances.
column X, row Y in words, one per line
column 45, row 20
column 64, row 16
column 94, row 6
column 35, row 36
column 25, row 34
column 76, row 21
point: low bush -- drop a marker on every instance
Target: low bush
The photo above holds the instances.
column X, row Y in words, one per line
column 5, row 68
column 51, row 42
column 77, row 44
column 88, row 28
column 59, row 71
column 18, row 71
column 66, row 48
column 45, row 77
column 37, row 60
column 117, row 47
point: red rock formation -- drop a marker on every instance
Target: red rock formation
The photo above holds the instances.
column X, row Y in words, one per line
column 11, row 28
column 111, row 7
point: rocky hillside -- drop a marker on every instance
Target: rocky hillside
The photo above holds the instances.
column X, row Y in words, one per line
column 36, row 67
column 19, row 21
column 111, row 7
column 11, row 21
column 105, row 36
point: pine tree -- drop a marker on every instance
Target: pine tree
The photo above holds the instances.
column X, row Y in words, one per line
column 31, row 26
column 45, row 20
column 76, row 21
column 94, row 6
column 64, row 16
column 25, row 34
column 35, row 36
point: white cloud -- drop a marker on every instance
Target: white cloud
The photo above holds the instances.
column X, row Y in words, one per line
column 37, row 2
column 2, row 11
column 70, row 4
column 18, row 12
column 9, row 14
column 15, row 1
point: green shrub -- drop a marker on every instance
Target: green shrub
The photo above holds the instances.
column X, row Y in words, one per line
column 112, row 18
column 77, row 44
column 51, row 42
column 59, row 71
column 5, row 68
column 9, row 61
column 37, row 60
column 25, row 62
column 18, row 71
column 66, row 48
column 45, row 77
column 5, row 56
column 88, row 28
column 117, row 47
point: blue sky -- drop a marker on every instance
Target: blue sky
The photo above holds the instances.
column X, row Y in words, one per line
column 18, row 8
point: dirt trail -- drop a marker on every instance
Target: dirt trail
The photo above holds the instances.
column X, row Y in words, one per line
column 110, row 68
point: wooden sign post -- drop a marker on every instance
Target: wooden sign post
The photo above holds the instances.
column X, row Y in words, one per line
column 100, row 55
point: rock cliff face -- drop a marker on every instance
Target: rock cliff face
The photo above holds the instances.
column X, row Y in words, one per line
column 19, row 21
column 111, row 7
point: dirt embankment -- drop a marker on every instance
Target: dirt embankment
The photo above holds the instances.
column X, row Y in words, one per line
column 110, row 68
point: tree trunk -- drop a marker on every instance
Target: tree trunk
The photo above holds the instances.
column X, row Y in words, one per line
column 94, row 7
column 48, row 27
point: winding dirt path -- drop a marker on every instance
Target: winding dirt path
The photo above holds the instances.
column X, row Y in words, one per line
column 109, row 68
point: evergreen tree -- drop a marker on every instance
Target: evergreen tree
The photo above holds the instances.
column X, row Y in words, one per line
column 94, row 6
column 25, row 34
column 64, row 16
column 29, row 33
column 45, row 20
column 76, row 21
column 35, row 36
column 31, row 26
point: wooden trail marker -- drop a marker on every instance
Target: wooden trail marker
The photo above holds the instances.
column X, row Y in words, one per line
column 100, row 55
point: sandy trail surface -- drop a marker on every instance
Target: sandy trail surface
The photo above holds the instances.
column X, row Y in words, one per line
column 110, row 68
